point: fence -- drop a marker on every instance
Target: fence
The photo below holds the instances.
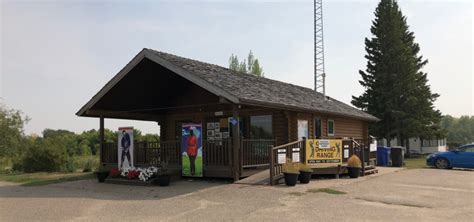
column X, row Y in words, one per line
column 277, row 160
column 255, row 152
column 217, row 153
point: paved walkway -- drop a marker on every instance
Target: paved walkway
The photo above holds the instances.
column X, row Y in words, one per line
column 406, row 195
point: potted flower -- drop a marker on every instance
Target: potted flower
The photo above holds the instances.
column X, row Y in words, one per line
column 291, row 172
column 132, row 174
column 114, row 172
column 102, row 174
column 162, row 178
column 305, row 173
column 353, row 166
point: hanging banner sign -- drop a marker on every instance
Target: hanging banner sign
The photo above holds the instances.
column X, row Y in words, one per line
column 323, row 153
column 191, row 150
column 125, row 147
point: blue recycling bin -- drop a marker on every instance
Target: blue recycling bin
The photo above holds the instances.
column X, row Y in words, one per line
column 383, row 156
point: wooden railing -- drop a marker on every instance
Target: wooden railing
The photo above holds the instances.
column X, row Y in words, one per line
column 145, row 153
column 276, row 166
column 361, row 148
column 255, row 152
column 217, row 153
column 109, row 153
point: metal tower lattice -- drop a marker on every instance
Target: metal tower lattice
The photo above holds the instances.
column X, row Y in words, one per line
column 319, row 73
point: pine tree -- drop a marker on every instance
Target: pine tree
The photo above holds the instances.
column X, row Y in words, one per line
column 396, row 88
column 249, row 66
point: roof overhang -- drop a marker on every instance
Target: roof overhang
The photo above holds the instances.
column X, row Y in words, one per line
column 296, row 108
column 145, row 53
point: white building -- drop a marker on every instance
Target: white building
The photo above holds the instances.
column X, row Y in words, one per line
column 418, row 145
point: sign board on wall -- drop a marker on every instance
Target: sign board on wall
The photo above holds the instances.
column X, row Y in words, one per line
column 125, row 147
column 323, row 153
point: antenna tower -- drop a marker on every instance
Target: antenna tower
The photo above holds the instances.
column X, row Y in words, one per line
column 319, row 73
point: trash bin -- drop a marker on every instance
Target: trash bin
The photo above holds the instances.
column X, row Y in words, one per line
column 397, row 154
column 383, row 156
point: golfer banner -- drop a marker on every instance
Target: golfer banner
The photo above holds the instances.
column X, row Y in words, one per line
column 323, row 153
column 125, row 147
column 191, row 150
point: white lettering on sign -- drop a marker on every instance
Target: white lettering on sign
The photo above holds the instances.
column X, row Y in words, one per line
column 346, row 153
column 324, row 144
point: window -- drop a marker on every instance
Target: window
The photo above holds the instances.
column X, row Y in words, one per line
column 318, row 128
column 469, row 149
column 261, row 127
column 331, row 127
column 303, row 129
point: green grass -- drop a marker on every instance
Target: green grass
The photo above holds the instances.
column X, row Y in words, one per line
column 296, row 193
column 40, row 179
column 325, row 190
column 81, row 161
column 415, row 163
column 186, row 166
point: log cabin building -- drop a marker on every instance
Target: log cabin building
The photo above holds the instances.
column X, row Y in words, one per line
column 171, row 90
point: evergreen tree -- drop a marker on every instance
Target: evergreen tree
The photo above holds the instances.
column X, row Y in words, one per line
column 249, row 66
column 396, row 88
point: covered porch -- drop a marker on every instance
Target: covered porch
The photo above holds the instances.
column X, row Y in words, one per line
column 152, row 89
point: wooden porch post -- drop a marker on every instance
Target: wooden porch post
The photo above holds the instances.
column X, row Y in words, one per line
column 236, row 143
column 101, row 138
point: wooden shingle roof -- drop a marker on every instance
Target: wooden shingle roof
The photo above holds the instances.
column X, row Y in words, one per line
column 250, row 89
column 237, row 87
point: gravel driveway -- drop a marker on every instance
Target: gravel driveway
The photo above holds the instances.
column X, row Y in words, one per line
column 406, row 195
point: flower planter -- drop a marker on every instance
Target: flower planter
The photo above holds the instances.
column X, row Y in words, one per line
column 102, row 175
column 162, row 180
column 291, row 178
column 353, row 172
column 305, row 176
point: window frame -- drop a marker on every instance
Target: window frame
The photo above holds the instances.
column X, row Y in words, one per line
column 333, row 127
column 316, row 130
column 251, row 136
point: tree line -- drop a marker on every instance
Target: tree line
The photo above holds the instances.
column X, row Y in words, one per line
column 53, row 151
column 458, row 131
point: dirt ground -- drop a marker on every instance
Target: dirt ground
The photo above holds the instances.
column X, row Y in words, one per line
column 405, row 195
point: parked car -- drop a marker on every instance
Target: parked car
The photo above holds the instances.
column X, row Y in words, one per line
column 462, row 157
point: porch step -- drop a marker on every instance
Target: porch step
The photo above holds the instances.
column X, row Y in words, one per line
column 371, row 171
column 260, row 178
column 128, row 182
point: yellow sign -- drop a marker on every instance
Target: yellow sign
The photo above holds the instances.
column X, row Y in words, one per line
column 323, row 153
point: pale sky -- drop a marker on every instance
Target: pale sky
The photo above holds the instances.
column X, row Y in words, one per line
column 55, row 55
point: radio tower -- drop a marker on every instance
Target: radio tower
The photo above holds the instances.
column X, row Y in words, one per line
column 319, row 73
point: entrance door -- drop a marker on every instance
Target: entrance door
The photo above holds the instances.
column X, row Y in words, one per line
column 303, row 129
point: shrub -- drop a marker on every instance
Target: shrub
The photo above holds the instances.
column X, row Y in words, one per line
column 290, row 167
column 88, row 165
column 70, row 166
column 304, row 168
column 354, row 161
column 49, row 155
